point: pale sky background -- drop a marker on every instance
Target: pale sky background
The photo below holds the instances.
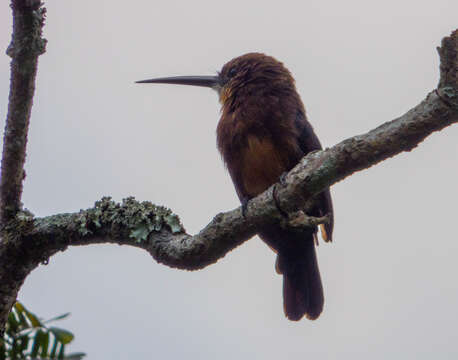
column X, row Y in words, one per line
column 390, row 277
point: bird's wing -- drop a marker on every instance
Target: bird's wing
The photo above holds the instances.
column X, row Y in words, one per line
column 308, row 141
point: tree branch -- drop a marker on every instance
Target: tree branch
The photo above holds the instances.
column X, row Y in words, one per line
column 26, row 45
column 29, row 241
column 146, row 226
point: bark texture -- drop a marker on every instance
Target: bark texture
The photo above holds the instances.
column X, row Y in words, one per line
column 25, row 47
column 27, row 241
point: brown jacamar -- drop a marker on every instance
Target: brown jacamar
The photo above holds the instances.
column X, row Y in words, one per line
column 263, row 133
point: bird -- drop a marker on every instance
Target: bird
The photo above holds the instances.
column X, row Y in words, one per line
column 262, row 133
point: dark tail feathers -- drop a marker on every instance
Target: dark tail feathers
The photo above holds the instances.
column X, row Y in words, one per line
column 302, row 288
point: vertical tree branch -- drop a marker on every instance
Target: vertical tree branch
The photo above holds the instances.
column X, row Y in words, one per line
column 26, row 45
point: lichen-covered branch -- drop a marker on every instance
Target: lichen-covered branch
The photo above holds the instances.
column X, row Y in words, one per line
column 140, row 224
column 160, row 232
column 29, row 241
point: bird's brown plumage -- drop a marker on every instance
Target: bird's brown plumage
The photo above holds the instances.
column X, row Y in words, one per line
column 263, row 132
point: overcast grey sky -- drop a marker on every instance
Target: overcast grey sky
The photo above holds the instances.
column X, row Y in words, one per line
column 389, row 277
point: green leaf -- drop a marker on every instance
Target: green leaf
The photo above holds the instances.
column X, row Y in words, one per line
column 34, row 319
column 52, row 355
column 14, row 352
column 31, row 316
column 64, row 336
column 61, row 352
column 24, row 324
column 25, row 331
column 13, row 324
column 19, row 307
column 44, row 343
column 60, row 317
column 24, row 343
column 36, row 343
column 75, row 356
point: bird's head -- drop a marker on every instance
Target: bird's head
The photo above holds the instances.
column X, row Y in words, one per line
column 250, row 74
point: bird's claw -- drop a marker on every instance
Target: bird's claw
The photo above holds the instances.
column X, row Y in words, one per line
column 282, row 179
column 244, row 207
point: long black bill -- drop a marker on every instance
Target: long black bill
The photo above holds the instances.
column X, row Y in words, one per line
column 206, row 81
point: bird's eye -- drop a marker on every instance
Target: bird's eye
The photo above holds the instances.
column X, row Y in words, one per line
column 232, row 72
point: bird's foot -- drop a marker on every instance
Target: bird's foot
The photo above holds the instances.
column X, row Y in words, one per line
column 301, row 219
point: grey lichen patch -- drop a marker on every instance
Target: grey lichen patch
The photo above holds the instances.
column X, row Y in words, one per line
column 139, row 218
column 449, row 95
column 25, row 216
column 59, row 221
column 449, row 91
